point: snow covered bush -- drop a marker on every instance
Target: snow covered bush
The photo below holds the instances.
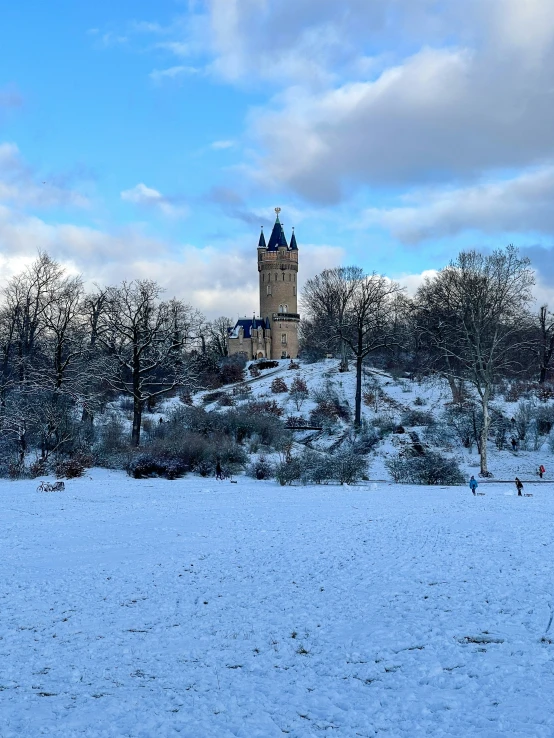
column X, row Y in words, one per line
column 317, row 468
column 226, row 401
column 432, row 468
column 73, row 467
column 365, row 440
column 417, row 418
column 299, row 392
column 349, row 467
column 279, row 385
column 261, row 468
column 287, row 472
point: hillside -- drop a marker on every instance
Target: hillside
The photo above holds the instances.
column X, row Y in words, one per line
column 417, row 406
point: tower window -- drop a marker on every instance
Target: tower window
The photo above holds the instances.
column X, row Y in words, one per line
column 263, row 277
column 280, row 308
column 268, row 289
column 283, row 276
column 294, row 290
column 284, row 339
column 286, row 308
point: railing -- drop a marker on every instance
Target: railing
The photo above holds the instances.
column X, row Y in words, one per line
column 286, row 316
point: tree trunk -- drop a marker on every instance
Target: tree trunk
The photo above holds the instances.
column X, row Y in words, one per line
column 484, row 434
column 542, row 377
column 137, row 420
column 358, row 414
column 457, row 389
column 343, row 357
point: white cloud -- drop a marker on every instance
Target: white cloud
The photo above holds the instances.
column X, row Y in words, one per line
column 173, row 73
column 218, row 280
column 144, row 196
column 220, row 145
column 21, row 186
column 521, row 204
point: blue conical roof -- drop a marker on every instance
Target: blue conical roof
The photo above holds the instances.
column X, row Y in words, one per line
column 293, row 244
column 277, row 237
column 261, row 242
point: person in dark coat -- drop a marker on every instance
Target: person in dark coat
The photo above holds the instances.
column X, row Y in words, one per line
column 541, row 470
column 473, row 484
column 218, row 470
column 519, row 487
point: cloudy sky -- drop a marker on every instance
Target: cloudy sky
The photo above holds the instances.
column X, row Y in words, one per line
column 144, row 138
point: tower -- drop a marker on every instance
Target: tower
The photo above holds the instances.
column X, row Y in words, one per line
column 274, row 335
column 278, row 273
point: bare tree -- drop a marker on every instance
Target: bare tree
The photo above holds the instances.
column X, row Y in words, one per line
column 354, row 310
column 217, row 332
column 325, row 301
column 475, row 311
column 144, row 339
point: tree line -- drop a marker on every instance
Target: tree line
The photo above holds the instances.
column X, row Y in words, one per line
column 66, row 352
column 472, row 323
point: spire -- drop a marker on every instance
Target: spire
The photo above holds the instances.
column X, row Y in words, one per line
column 261, row 242
column 277, row 237
column 293, row 244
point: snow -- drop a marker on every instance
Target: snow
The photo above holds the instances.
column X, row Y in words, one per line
column 200, row 609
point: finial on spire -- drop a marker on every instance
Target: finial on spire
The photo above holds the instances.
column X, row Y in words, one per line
column 277, row 210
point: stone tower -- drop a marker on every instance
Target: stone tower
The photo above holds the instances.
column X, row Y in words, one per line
column 278, row 280
column 274, row 334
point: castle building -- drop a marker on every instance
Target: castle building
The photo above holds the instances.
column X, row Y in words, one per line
column 274, row 334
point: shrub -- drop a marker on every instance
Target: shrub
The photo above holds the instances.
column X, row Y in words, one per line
column 232, row 369
column 265, row 407
column 261, row 468
column 226, row 401
column 73, row 467
column 287, row 472
column 299, row 392
column 365, row 440
column 317, row 468
column 429, row 469
column 279, row 385
column 254, row 370
column 213, row 397
column 419, row 401
column 417, row 417
column 349, row 467
column 385, row 424
column 242, row 391
column 186, row 398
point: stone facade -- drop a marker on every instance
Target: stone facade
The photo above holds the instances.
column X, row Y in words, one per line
column 274, row 334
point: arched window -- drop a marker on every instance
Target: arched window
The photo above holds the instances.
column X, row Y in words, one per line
column 289, row 277
column 280, row 308
column 283, row 276
column 286, row 308
column 263, row 277
column 268, row 289
column 294, row 290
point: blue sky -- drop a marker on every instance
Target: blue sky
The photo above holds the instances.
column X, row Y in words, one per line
column 152, row 139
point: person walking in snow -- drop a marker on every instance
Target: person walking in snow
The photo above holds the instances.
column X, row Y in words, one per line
column 519, row 487
column 541, row 470
column 514, row 444
column 473, row 484
column 218, row 470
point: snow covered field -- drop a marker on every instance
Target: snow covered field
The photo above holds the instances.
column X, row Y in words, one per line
column 189, row 608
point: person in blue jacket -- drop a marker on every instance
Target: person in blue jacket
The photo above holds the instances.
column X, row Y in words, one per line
column 473, row 484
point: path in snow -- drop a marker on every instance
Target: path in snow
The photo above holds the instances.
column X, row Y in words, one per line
column 154, row 608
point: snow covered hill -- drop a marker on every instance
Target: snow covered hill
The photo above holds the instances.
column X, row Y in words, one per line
column 157, row 609
column 394, row 398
